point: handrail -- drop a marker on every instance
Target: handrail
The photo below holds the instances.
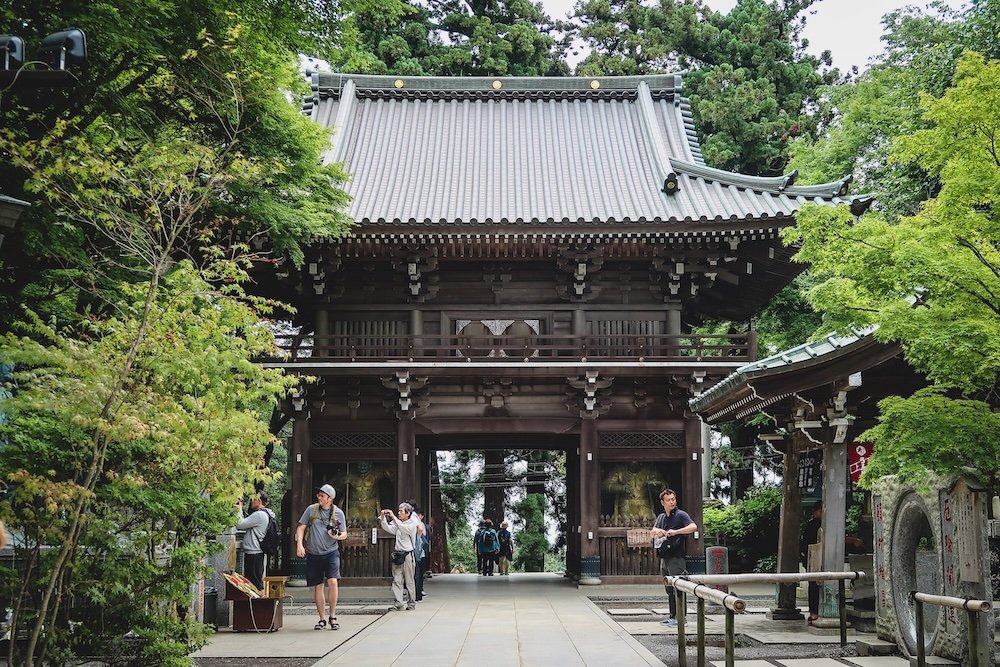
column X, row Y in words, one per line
column 972, row 607
column 530, row 347
column 698, row 585
column 721, row 598
column 774, row 577
column 732, row 604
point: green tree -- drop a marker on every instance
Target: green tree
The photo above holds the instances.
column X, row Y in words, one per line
column 215, row 74
column 530, row 544
column 752, row 85
column 930, row 281
column 124, row 449
column 140, row 376
column 748, row 527
column 922, row 50
column 451, row 38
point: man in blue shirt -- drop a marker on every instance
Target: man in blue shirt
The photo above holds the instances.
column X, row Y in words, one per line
column 672, row 525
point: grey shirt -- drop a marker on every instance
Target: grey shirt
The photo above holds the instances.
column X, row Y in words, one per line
column 317, row 539
column 256, row 527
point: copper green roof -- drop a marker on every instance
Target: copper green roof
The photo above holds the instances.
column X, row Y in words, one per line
column 793, row 359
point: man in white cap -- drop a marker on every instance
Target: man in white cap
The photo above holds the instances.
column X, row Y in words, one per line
column 327, row 525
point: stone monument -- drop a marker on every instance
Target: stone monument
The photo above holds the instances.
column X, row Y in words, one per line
column 932, row 538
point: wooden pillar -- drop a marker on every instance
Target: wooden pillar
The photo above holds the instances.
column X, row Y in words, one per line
column 321, row 331
column 834, row 524
column 493, row 494
column 573, row 512
column 406, row 460
column 416, row 329
column 300, row 470
column 691, row 484
column 300, row 497
column 706, row 460
column 674, row 318
column 786, row 608
column 423, row 492
column 590, row 503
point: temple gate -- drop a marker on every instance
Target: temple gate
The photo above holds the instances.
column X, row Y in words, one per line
column 531, row 259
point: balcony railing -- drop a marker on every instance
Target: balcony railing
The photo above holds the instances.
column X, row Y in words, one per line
column 534, row 348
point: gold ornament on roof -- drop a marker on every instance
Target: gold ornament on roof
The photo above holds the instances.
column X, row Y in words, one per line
column 595, row 84
column 398, row 83
column 497, row 85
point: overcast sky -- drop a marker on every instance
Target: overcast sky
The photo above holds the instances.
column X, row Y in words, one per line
column 850, row 29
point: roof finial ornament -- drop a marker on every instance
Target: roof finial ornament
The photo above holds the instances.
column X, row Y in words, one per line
column 789, row 180
column 670, row 184
column 843, row 189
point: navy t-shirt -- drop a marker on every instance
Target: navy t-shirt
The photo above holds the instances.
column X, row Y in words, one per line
column 677, row 519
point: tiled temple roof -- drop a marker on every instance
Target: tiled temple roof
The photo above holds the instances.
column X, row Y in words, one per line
column 537, row 151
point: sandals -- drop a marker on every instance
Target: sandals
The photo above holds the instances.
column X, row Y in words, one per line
column 334, row 625
column 321, row 625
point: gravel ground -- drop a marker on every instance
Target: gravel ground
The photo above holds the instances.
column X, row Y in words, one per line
column 664, row 647
column 255, row 662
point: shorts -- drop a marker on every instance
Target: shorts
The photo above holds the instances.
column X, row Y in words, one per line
column 320, row 567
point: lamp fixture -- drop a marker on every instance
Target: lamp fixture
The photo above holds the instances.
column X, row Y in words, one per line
column 67, row 47
column 11, row 52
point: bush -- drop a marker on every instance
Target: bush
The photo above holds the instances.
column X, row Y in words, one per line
column 749, row 528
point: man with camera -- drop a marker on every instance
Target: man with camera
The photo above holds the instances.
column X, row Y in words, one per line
column 255, row 525
column 327, row 525
column 404, row 527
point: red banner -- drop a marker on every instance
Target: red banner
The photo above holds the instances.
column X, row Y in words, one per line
column 858, row 454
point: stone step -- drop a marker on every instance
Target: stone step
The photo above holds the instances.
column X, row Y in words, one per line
column 933, row 660
column 873, row 646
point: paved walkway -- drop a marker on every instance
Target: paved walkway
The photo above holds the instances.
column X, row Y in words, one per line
column 525, row 620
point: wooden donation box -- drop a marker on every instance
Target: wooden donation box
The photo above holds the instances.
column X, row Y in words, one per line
column 252, row 612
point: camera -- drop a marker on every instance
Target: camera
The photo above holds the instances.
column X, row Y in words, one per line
column 333, row 527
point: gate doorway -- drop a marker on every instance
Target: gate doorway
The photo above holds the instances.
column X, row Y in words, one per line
column 517, row 479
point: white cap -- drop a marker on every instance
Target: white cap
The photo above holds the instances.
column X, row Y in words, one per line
column 328, row 490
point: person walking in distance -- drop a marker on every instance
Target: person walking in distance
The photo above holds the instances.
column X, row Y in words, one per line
column 488, row 547
column 476, row 540
column 404, row 527
column 326, row 526
column 506, row 548
column 669, row 533
column 255, row 525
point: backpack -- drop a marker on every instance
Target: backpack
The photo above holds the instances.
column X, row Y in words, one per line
column 272, row 540
column 489, row 540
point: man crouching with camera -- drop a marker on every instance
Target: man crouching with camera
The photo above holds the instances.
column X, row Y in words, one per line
column 321, row 548
column 404, row 527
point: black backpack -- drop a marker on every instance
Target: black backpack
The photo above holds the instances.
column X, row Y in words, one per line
column 272, row 540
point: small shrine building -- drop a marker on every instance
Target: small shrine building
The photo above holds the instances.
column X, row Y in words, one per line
column 819, row 398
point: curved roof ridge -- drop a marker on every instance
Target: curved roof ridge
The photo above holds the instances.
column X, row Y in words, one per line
column 783, row 184
column 782, row 361
column 334, row 81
